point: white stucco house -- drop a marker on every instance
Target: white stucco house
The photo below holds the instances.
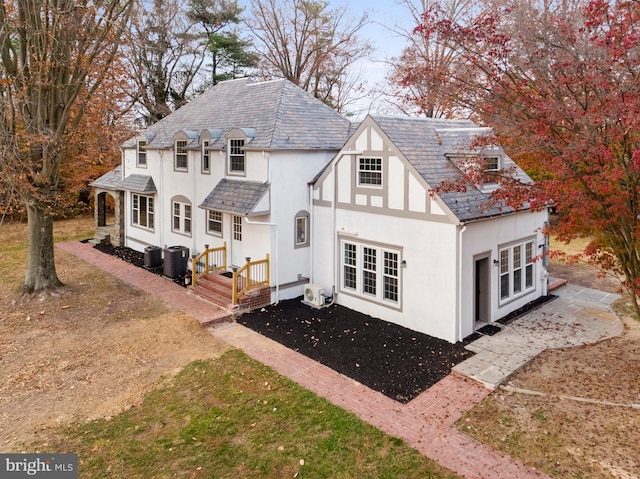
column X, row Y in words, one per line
column 385, row 242
column 266, row 184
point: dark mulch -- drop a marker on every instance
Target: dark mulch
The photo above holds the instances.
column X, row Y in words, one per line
column 530, row 306
column 136, row 258
column 396, row 361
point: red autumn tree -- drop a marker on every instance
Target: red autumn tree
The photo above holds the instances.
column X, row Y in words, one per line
column 562, row 90
column 422, row 77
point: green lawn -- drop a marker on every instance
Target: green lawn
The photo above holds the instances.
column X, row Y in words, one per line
column 235, row 418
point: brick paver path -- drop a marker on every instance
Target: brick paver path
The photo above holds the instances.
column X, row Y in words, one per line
column 426, row 423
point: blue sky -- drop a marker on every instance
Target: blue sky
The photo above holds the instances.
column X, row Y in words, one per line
column 386, row 17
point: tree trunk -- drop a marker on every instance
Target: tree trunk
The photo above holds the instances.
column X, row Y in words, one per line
column 41, row 268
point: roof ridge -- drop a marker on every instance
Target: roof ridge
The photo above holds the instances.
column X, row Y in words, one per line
column 277, row 111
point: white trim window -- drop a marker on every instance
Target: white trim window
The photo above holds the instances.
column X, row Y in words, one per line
column 237, row 228
column 142, row 210
column 371, row 271
column 516, row 270
column 180, row 155
column 302, row 229
column 370, row 172
column 236, row 156
column 214, row 222
column 141, row 153
column 206, row 157
column 181, row 217
column 492, row 167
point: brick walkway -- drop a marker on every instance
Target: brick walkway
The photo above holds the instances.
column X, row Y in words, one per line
column 426, row 423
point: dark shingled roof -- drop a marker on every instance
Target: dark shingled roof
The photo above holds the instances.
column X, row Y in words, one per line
column 238, row 197
column 428, row 144
column 138, row 183
column 110, row 180
column 277, row 113
column 113, row 181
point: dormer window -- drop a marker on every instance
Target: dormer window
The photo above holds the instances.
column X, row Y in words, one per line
column 206, row 157
column 141, row 153
column 181, row 154
column 491, row 169
column 236, row 156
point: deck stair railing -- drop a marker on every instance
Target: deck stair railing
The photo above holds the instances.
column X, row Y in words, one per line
column 250, row 276
column 211, row 259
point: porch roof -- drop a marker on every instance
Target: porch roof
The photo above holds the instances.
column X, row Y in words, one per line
column 237, row 197
column 138, row 183
column 110, row 180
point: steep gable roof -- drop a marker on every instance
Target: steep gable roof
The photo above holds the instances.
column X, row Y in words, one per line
column 420, row 140
column 282, row 116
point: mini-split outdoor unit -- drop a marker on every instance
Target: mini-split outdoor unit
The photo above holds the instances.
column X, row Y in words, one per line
column 313, row 294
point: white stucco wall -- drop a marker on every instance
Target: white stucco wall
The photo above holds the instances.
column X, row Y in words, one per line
column 428, row 280
column 487, row 237
column 288, row 172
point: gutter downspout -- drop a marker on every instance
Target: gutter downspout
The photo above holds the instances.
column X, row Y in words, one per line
column 334, row 230
column 275, row 256
column 311, row 226
column 459, row 285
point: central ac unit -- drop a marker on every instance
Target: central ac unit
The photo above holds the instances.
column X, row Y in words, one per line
column 313, row 295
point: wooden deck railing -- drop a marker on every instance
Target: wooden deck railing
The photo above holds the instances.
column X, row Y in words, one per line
column 252, row 275
column 211, row 259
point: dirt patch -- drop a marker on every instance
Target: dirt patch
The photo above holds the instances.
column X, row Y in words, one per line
column 585, row 275
column 89, row 350
column 571, row 412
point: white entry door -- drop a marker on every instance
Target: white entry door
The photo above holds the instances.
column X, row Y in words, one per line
column 237, row 259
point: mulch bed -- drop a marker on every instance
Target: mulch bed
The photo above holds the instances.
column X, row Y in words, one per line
column 136, row 258
column 396, row 361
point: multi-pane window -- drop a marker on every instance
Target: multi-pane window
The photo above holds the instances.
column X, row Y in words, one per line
column 504, row 274
column 181, row 217
column 142, row 210
column 528, row 261
column 370, row 171
column 214, row 222
column 391, row 276
column 236, row 156
column 350, row 262
column 237, row 228
column 181, row 155
column 492, row 163
column 491, row 169
column 206, row 157
column 141, row 152
column 371, row 271
column 369, row 265
column 516, row 270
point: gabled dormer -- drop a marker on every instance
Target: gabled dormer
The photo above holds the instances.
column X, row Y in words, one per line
column 141, row 141
column 237, row 140
column 210, row 141
column 182, row 142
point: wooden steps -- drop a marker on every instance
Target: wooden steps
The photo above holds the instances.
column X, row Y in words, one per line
column 215, row 288
column 218, row 289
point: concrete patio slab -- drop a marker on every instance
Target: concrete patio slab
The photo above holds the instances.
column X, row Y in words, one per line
column 577, row 316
